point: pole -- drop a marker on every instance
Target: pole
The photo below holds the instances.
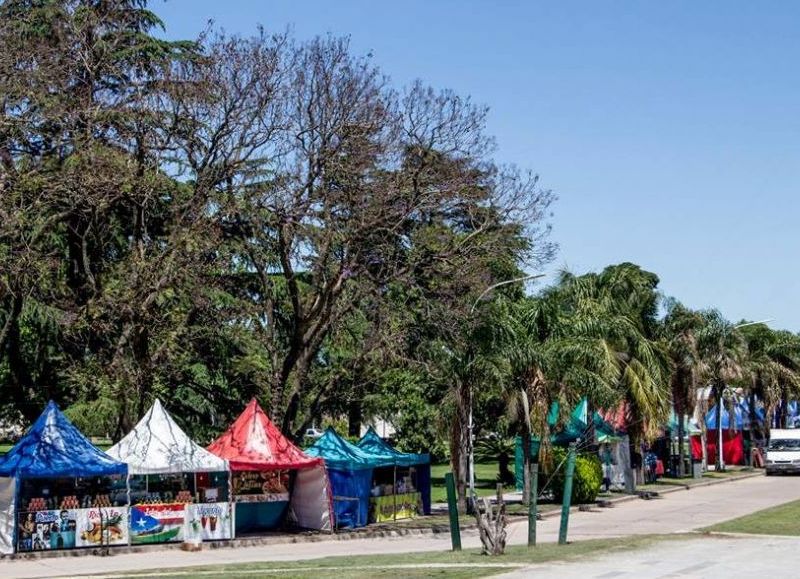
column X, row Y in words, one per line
column 720, row 462
column 452, row 510
column 532, row 504
column 471, row 464
column 471, row 467
column 565, row 505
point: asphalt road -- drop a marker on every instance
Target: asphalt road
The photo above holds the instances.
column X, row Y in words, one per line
column 674, row 513
column 711, row 557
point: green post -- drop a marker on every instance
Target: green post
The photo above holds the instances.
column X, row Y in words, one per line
column 562, row 532
column 452, row 508
column 532, row 504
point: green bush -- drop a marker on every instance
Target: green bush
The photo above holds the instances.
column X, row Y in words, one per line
column 586, row 481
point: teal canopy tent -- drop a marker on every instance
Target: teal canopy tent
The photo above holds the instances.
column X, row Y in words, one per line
column 350, row 470
column 374, row 444
column 576, row 427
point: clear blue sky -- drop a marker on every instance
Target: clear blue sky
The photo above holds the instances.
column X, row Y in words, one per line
column 669, row 130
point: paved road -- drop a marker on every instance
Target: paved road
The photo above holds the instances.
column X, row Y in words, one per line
column 697, row 558
column 675, row 512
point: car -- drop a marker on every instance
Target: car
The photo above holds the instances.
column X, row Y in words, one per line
column 783, row 451
column 314, row 432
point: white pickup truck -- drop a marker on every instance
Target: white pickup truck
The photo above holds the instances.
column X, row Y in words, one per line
column 783, row 452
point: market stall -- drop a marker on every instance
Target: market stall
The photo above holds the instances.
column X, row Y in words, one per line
column 59, row 491
column 173, row 482
column 350, row 472
column 732, row 435
column 412, row 476
column 272, row 480
column 574, row 428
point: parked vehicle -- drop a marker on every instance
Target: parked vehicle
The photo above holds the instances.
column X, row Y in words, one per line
column 783, row 451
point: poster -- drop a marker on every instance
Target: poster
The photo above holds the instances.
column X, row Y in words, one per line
column 215, row 520
column 102, row 526
column 46, row 530
column 160, row 523
column 71, row 528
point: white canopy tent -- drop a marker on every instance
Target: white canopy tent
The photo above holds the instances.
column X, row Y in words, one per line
column 157, row 445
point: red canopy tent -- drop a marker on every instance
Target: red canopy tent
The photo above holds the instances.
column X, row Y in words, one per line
column 254, row 443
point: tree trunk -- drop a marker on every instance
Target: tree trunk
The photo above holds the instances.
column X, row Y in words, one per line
column 784, row 416
column 526, row 465
column 681, row 447
column 354, row 417
column 459, row 445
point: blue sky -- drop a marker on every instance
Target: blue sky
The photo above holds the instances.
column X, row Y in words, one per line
column 669, row 130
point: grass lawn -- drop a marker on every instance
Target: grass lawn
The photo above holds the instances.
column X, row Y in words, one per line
column 485, row 480
column 781, row 520
column 468, row 563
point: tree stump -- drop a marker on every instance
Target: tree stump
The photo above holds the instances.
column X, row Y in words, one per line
column 492, row 523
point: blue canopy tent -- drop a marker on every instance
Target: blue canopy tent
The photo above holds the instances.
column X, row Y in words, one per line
column 372, row 443
column 52, row 448
column 741, row 416
column 350, row 471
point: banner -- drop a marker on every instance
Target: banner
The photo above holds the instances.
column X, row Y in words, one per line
column 71, row 528
column 102, row 526
column 46, row 530
column 215, row 520
column 175, row 522
column 159, row 523
column 391, row 507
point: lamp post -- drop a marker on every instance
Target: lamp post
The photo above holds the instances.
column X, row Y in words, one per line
column 721, row 387
column 470, row 425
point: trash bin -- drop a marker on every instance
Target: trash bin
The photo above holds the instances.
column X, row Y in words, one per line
column 697, row 468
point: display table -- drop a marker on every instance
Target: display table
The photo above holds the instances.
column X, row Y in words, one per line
column 260, row 512
column 394, row 507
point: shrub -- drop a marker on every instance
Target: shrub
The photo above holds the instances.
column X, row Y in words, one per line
column 586, row 481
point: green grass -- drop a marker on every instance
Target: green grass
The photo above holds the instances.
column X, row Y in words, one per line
column 780, row 520
column 485, row 480
column 447, row 564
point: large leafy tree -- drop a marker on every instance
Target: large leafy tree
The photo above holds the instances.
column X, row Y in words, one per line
column 81, row 190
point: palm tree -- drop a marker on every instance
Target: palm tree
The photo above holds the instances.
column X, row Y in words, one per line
column 723, row 352
column 678, row 331
column 773, row 367
column 624, row 296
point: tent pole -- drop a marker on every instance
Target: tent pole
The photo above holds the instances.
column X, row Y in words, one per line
column 231, row 504
column 128, row 497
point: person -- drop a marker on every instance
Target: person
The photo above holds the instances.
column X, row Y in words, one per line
column 64, row 526
column 607, row 460
column 26, row 530
column 651, row 462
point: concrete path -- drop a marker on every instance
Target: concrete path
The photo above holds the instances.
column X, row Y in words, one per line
column 675, row 512
column 712, row 557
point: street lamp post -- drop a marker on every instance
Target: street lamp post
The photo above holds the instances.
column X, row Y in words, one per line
column 470, row 425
